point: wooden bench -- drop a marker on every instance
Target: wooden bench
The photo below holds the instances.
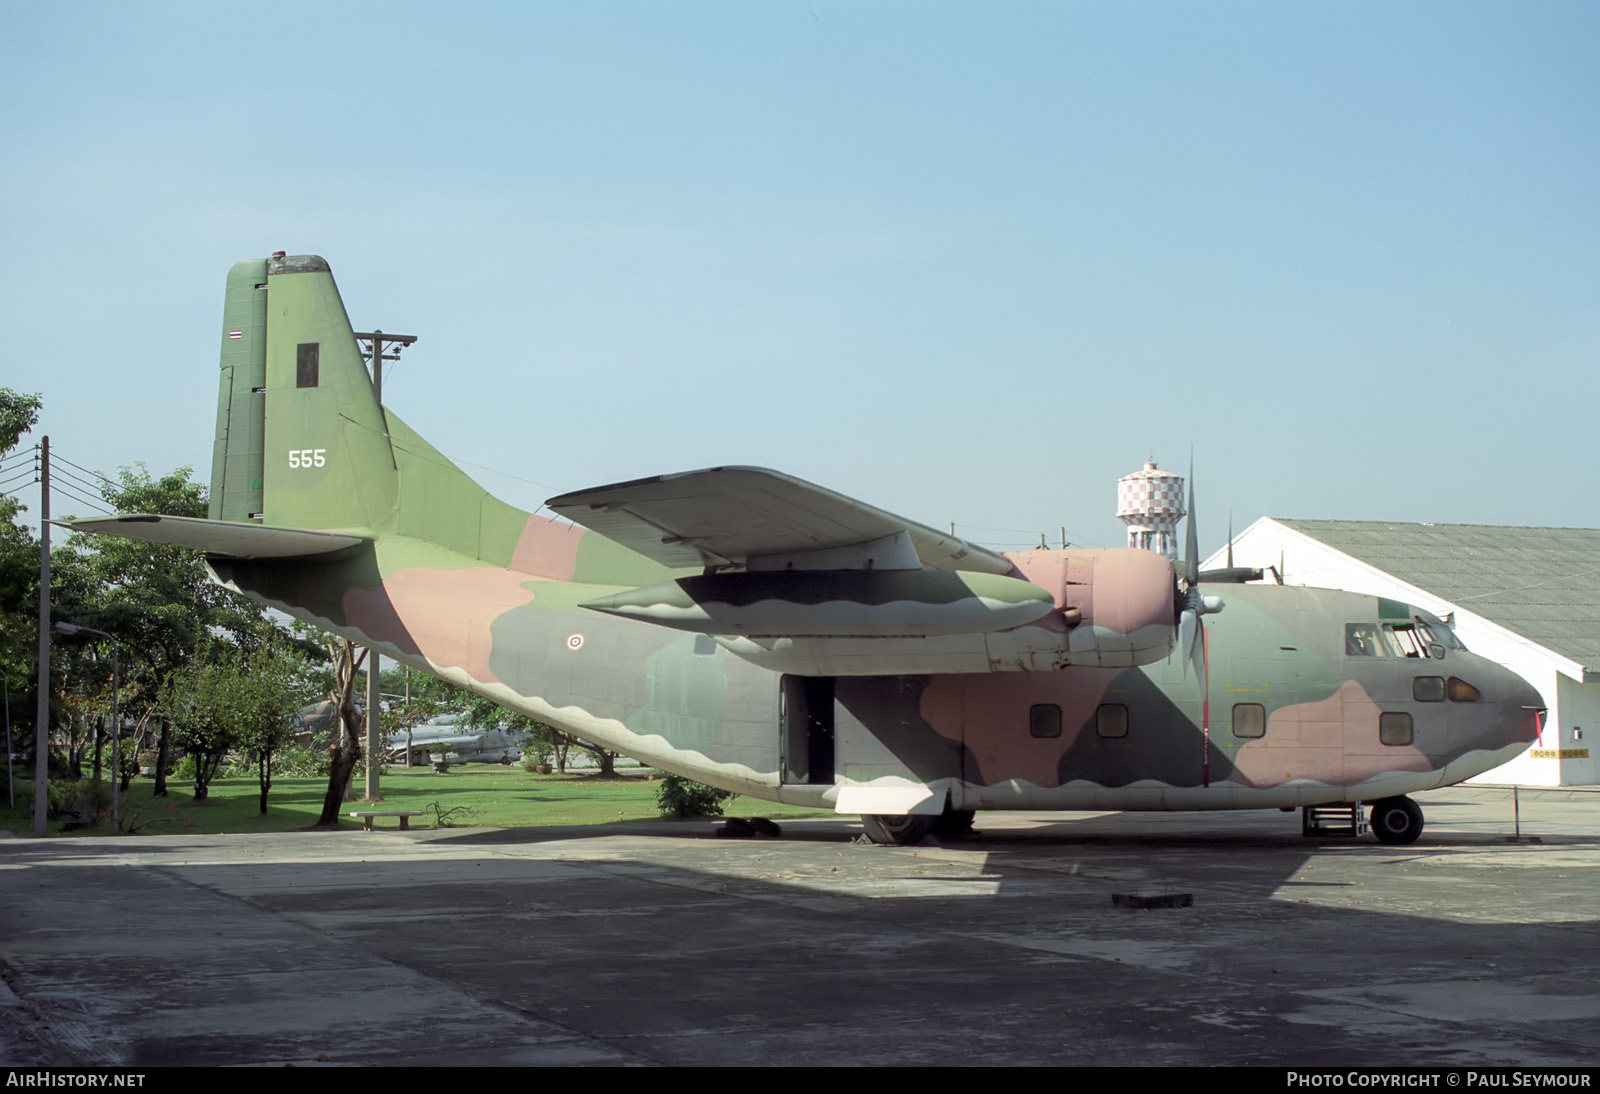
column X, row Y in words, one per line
column 405, row 816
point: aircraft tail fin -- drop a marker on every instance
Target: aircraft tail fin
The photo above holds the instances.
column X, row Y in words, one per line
column 302, row 442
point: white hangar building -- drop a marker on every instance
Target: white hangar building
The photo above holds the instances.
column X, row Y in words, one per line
column 1527, row 597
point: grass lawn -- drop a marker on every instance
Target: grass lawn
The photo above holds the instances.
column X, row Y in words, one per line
column 489, row 796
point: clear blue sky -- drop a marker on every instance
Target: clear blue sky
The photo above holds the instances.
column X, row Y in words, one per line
column 969, row 262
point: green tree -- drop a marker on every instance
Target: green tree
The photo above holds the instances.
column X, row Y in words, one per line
column 204, row 702
column 160, row 601
column 19, row 570
column 272, row 689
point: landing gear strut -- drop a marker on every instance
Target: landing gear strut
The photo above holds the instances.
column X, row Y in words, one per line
column 1396, row 820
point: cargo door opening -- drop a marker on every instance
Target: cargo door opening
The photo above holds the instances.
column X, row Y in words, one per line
column 806, row 714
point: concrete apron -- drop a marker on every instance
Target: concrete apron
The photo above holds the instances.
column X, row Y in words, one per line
column 661, row 944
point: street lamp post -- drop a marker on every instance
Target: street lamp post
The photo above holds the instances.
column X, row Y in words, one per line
column 116, row 721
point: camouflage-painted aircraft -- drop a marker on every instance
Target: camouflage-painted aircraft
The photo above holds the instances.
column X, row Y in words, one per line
column 768, row 636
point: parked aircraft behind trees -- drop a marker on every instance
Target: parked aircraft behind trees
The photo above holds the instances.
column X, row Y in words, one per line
column 444, row 740
column 768, row 636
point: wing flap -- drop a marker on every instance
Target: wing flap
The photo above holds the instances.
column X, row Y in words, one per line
column 224, row 538
column 729, row 516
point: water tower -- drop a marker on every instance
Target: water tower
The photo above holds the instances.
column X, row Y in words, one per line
column 1150, row 503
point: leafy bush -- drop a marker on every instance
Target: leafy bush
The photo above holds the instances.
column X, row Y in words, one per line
column 86, row 798
column 678, row 797
column 294, row 758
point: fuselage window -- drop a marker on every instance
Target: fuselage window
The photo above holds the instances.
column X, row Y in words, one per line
column 1428, row 689
column 1249, row 720
column 705, row 645
column 1394, row 728
column 305, row 364
column 1111, row 720
column 1461, row 691
column 1044, row 720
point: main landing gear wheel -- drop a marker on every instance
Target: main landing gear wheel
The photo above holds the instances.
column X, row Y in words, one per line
column 1396, row 820
column 900, row 830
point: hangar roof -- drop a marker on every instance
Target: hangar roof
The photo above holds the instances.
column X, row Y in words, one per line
column 1542, row 583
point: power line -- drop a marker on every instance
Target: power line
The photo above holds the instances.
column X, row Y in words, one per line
column 16, row 457
column 86, row 471
column 92, row 487
column 29, row 471
column 98, row 506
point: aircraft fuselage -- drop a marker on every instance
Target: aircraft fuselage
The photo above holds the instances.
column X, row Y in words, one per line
column 1292, row 716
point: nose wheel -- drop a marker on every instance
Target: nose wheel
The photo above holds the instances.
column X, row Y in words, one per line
column 1396, row 820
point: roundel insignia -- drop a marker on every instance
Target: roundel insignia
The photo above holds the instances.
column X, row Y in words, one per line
column 574, row 641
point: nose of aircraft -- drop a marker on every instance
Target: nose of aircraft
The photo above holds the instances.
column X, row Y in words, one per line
column 1518, row 705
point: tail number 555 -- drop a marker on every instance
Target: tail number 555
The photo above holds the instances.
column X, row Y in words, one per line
column 307, row 457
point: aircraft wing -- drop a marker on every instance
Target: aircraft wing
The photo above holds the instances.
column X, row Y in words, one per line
column 217, row 537
column 761, row 520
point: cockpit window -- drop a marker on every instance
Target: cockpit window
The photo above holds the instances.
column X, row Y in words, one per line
column 1370, row 640
column 1362, row 640
column 1418, row 639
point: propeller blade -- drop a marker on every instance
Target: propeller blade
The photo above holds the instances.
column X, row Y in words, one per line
column 1200, row 655
column 1188, row 623
column 1192, row 546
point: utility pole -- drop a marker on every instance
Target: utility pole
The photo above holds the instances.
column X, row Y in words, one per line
column 41, row 732
column 372, row 350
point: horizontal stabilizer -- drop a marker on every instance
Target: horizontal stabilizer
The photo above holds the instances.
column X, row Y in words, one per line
column 739, row 516
column 224, row 538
